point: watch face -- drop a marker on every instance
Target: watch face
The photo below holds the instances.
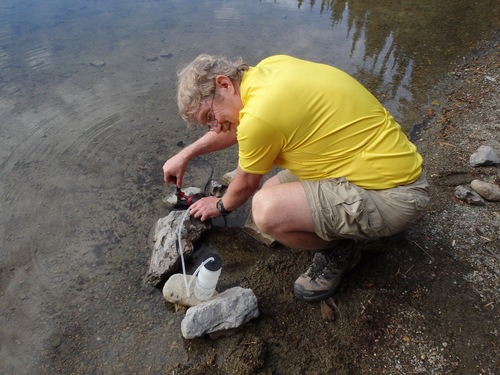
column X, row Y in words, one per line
column 220, row 208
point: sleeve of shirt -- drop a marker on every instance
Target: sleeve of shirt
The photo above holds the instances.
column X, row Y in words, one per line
column 259, row 145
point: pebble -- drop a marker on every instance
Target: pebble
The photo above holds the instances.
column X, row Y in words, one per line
column 55, row 341
column 486, row 190
column 327, row 312
column 467, row 195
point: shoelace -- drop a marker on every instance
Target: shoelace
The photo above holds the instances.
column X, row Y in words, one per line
column 319, row 264
column 332, row 262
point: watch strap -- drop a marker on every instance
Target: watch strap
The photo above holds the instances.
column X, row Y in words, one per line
column 221, row 209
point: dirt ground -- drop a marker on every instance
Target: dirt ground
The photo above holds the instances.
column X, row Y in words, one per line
column 423, row 302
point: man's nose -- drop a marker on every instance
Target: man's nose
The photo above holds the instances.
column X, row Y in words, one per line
column 217, row 128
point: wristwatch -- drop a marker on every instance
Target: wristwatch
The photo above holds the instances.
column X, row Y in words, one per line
column 221, row 209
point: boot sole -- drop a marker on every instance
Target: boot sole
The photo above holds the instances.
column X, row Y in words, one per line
column 303, row 295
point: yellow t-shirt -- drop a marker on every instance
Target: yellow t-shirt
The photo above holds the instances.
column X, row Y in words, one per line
column 320, row 123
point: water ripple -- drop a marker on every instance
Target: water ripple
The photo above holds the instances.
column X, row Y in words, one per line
column 39, row 58
column 4, row 59
column 228, row 13
column 5, row 40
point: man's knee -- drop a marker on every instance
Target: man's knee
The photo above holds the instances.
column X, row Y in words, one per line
column 262, row 211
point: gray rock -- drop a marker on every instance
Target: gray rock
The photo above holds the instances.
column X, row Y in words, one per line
column 251, row 229
column 484, row 156
column 216, row 189
column 151, row 58
column 229, row 176
column 229, row 309
column 486, row 190
column 165, row 53
column 165, row 257
column 98, row 63
column 467, row 195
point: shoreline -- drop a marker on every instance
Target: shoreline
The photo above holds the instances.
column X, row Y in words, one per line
column 467, row 117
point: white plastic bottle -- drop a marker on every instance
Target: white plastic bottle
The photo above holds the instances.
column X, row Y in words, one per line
column 207, row 278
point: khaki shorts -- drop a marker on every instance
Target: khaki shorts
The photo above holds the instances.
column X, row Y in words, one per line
column 344, row 210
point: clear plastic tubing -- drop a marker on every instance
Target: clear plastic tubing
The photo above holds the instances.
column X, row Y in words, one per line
column 208, row 276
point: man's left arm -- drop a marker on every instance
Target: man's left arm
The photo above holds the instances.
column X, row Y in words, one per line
column 238, row 191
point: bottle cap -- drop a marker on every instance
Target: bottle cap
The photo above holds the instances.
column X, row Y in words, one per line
column 215, row 264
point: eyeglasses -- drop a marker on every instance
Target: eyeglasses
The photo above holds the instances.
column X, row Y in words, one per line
column 211, row 120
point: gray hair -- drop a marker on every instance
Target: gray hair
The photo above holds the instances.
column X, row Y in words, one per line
column 197, row 80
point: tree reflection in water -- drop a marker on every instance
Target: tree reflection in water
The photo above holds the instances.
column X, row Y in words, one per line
column 405, row 40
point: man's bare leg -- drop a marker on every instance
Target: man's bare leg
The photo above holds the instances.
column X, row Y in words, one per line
column 282, row 211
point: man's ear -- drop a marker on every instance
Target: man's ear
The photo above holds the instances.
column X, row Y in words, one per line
column 224, row 82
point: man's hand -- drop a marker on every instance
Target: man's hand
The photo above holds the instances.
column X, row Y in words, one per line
column 174, row 169
column 242, row 187
column 205, row 208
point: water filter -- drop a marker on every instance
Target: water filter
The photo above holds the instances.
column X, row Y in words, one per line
column 208, row 277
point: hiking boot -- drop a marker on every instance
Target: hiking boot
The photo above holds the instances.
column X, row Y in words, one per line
column 322, row 278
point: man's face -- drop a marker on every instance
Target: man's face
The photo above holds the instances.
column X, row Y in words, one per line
column 221, row 112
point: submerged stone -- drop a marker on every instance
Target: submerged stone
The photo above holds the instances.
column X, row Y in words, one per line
column 164, row 53
column 98, row 63
column 151, row 58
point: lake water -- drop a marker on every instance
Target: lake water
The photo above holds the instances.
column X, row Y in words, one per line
column 88, row 116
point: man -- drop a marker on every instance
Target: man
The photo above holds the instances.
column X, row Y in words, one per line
column 349, row 171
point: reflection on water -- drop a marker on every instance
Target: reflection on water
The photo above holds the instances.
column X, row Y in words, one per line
column 81, row 146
